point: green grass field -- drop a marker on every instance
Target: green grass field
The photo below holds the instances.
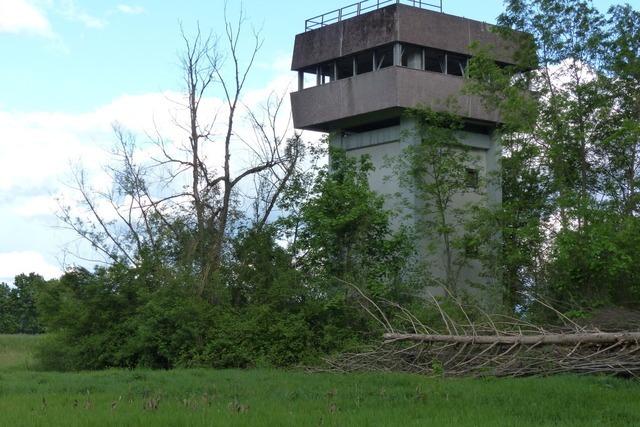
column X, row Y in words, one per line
column 16, row 352
column 273, row 398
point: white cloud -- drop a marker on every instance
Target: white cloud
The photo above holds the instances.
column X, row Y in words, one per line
column 21, row 17
column 37, row 150
column 281, row 63
column 38, row 147
column 14, row 263
column 71, row 12
column 130, row 10
column 35, row 206
column 30, row 16
column 567, row 73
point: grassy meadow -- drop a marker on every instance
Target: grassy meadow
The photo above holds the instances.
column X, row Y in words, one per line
column 17, row 352
column 202, row 397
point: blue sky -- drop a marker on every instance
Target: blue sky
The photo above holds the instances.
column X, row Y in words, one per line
column 100, row 49
column 72, row 67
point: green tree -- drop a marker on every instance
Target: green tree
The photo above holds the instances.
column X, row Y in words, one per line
column 179, row 195
column 346, row 232
column 26, row 289
column 8, row 321
column 570, row 136
column 438, row 169
column 18, row 314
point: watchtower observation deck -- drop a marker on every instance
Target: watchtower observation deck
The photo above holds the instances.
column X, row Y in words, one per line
column 360, row 66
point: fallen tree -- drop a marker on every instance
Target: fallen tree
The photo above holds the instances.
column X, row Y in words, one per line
column 557, row 339
column 492, row 346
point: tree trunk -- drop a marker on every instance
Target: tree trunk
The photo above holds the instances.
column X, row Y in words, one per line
column 553, row 339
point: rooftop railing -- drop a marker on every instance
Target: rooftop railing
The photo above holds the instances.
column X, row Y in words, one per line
column 359, row 8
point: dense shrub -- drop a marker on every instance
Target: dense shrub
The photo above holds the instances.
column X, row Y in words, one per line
column 267, row 305
column 598, row 265
column 149, row 316
column 96, row 325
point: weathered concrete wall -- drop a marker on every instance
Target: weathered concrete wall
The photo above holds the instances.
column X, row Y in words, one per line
column 435, row 89
column 338, row 104
column 344, row 38
column 449, row 32
column 396, row 23
column 384, row 144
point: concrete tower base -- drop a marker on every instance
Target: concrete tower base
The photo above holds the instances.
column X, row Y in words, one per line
column 383, row 146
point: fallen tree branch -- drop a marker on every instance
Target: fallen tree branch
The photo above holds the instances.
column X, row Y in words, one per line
column 555, row 339
column 462, row 344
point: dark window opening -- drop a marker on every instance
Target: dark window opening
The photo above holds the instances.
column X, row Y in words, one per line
column 374, row 126
column 456, row 64
column 411, row 57
column 364, row 62
column 478, row 128
column 472, row 179
column 345, row 68
column 435, row 61
column 327, row 73
column 384, row 57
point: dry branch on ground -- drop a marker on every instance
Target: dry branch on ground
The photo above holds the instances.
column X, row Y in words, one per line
column 495, row 346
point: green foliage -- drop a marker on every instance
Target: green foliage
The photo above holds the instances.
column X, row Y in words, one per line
column 272, row 313
column 274, row 305
column 571, row 137
column 18, row 307
column 346, row 229
column 8, row 320
column 262, row 272
column 435, row 169
column 600, row 264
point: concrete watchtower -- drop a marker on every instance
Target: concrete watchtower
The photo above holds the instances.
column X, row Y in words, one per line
column 359, row 67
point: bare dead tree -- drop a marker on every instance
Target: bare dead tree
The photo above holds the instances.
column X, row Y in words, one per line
column 269, row 184
column 183, row 191
column 121, row 222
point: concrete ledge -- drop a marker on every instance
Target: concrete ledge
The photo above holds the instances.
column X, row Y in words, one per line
column 396, row 23
column 345, row 103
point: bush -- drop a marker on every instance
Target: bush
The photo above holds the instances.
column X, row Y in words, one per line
column 273, row 306
column 598, row 265
column 132, row 317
